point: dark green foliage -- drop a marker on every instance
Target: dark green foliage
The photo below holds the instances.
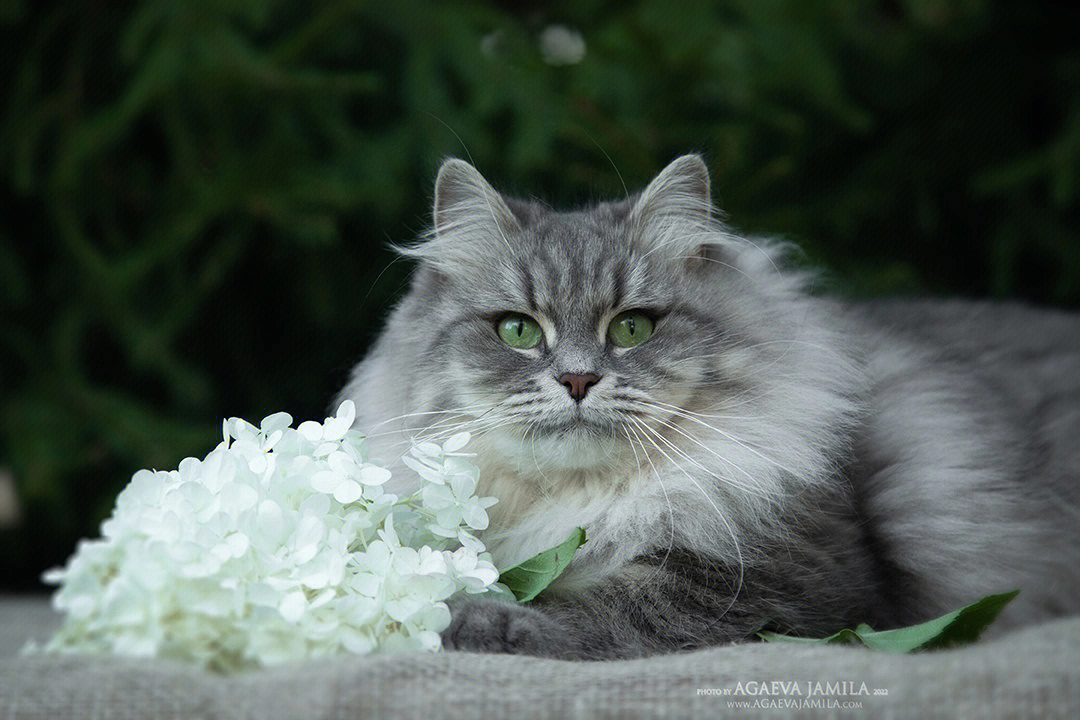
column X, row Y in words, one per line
column 195, row 196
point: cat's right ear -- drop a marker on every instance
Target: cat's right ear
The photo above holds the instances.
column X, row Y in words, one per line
column 466, row 202
column 470, row 220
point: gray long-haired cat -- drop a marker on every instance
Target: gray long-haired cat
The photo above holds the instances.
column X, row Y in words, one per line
column 740, row 453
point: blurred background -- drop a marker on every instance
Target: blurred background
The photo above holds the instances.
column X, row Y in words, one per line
column 196, row 197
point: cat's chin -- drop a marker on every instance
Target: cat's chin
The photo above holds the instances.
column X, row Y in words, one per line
column 577, row 445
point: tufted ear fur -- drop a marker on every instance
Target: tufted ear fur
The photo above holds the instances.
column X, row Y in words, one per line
column 470, row 219
column 464, row 199
column 674, row 213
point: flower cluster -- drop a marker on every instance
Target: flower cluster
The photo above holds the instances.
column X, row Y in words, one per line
column 281, row 544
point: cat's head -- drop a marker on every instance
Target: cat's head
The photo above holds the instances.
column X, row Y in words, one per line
column 571, row 338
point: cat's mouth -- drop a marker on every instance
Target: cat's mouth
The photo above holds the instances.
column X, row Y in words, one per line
column 578, row 425
column 580, row 441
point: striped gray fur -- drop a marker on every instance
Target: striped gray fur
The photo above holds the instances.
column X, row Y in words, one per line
column 767, row 457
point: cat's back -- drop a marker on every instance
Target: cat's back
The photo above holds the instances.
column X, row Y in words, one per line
column 971, row 469
column 1016, row 365
column 992, row 334
column 1028, row 357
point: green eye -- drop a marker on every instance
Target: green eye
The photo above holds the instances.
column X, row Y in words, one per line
column 520, row 331
column 630, row 328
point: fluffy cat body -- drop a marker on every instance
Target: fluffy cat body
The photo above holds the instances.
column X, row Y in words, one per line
column 766, row 457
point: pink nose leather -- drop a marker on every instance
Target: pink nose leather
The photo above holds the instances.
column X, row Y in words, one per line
column 577, row 384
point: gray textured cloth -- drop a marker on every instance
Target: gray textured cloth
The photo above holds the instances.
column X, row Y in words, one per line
column 1031, row 673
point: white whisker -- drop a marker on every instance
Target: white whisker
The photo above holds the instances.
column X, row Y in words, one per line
column 723, row 518
column 678, row 411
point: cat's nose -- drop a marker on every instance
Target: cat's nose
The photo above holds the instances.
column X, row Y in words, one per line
column 577, row 384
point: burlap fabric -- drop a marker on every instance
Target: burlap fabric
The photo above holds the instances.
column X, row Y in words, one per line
column 1030, row 673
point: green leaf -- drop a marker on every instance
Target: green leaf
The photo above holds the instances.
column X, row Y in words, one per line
column 959, row 627
column 528, row 579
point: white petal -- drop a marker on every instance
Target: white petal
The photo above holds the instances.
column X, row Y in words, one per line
column 272, row 439
column 443, row 532
column 326, row 481
column 356, row 642
column 403, row 609
column 205, row 566
column 470, row 542
column 189, row 468
column 293, row 606
column 275, row 422
column 437, row 617
column 237, row 498
column 335, row 428
column 424, row 471
column 449, row 517
column 347, row 412
column 458, row 465
column 367, row 584
column 406, row 560
column 429, row 640
column 342, row 463
column 431, row 562
column 308, row 533
column 426, row 449
column 316, row 574
column 311, row 430
column 53, row 576
column 257, row 464
column 456, row 442
column 238, row 544
column 325, row 449
column 218, row 468
column 263, row 594
column 374, row 475
column 475, row 517
column 269, row 520
column 337, row 570
column 347, row 492
column 322, row 598
column 462, row 485
column 486, row 574
column 243, row 430
column 317, row 505
column 131, row 645
column 376, row 558
column 437, row 497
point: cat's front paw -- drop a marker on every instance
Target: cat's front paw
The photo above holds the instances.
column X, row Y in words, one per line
column 499, row 627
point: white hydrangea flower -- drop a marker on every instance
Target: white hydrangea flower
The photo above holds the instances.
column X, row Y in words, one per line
column 560, row 45
column 449, row 493
column 280, row 545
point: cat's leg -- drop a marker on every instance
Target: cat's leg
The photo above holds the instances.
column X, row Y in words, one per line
column 669, row 602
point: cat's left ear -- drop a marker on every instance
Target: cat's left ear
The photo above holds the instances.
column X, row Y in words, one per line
column 675, row 211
